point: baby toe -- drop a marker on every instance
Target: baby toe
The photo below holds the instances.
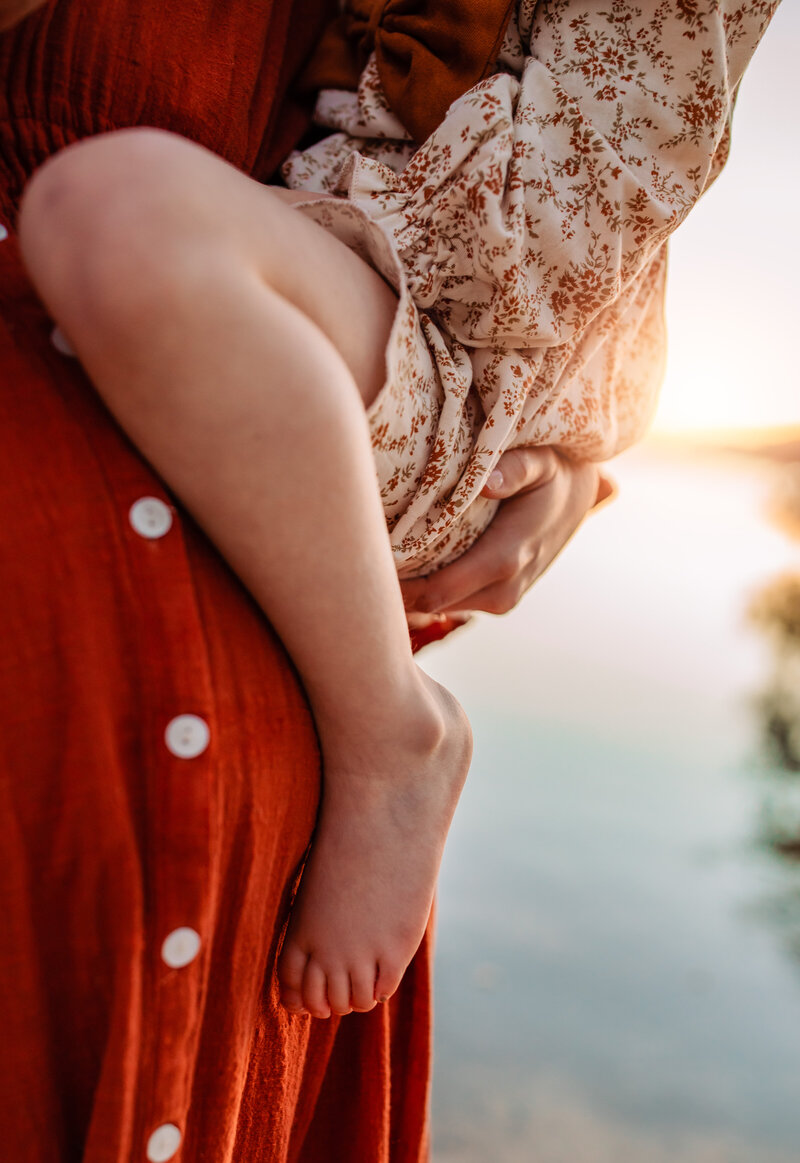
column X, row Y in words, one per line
column 389, row 975
column 315, row 990
column 362, row 988
column 292, row 1000
column 291, row 967
column 339, row 992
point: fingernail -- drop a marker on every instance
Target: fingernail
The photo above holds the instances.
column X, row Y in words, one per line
column 495, row 481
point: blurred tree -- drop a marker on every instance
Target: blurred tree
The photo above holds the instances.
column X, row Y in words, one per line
column 784, row 506
column 775, row 610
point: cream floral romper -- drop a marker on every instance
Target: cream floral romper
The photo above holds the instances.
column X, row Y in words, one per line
column 526, row 239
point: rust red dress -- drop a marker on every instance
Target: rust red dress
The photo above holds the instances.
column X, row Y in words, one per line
column 159, row 772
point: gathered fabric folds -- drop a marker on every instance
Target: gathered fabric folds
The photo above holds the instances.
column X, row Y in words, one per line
column 159, row 769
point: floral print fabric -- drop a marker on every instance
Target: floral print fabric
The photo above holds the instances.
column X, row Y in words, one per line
column 526, row 239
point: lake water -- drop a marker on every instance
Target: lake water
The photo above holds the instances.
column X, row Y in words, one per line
column 618, row 978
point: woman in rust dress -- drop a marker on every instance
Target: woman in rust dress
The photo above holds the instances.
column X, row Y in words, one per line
column 159, row 772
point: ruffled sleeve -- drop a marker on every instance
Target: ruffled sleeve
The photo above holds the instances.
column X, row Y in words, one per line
column 541, row 198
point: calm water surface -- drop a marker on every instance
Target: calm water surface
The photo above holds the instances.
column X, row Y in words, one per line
column 617, row 973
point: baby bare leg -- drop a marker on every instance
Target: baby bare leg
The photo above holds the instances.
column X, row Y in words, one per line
column 237, row 342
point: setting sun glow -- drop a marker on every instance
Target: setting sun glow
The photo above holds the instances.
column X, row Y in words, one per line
column 732, row 305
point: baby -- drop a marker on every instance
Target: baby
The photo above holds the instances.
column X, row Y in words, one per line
column 417, row 312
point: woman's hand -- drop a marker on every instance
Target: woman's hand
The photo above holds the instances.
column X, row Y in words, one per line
column 545, row 498
column 12, row 11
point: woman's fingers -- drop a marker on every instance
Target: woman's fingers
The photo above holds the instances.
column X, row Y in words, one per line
column 528, row 532
column 497, row 558
column 520, row 469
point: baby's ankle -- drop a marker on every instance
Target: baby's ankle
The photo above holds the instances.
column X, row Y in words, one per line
column 413, row 720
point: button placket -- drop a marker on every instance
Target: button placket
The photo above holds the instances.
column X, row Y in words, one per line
column 186, row 737
column 180, row 822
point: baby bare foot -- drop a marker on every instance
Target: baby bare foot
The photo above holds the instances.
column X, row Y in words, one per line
column 367, row 889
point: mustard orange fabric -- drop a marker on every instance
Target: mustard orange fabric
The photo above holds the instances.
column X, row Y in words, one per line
column 428, row 53
column 110, row 840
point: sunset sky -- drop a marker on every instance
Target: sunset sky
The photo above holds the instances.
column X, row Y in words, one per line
column 733, row 305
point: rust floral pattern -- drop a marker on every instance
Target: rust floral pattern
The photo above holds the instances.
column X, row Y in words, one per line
column 526, row 239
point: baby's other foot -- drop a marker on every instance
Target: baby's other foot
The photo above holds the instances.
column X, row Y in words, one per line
column 366, row 892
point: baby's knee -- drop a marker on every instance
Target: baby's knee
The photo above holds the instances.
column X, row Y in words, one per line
column 97, row 219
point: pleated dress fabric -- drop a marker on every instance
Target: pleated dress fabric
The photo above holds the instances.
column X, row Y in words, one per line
column 159, row 770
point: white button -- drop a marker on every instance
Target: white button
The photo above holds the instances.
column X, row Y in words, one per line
column 163, row 1143
column 180, row 947
column 150, row 517
column 187, row 736
column 60, row 342
column 3, row 232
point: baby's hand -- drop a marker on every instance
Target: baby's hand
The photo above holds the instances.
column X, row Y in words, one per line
column 544, row 499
